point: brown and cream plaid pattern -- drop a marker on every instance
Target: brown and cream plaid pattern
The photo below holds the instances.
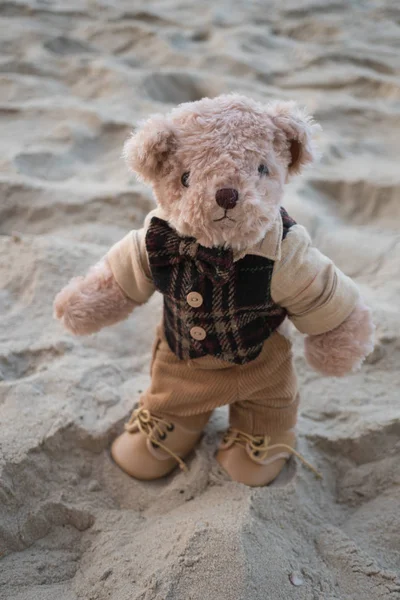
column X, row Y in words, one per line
column 237, row 313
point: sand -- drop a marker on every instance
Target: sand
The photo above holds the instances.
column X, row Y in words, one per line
column 75, row 77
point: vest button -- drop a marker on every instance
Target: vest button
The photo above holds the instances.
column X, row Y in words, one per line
column 194, row 299
column 198, row 333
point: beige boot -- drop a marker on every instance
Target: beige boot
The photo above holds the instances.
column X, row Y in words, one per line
column 256, row 460
column 151, row 446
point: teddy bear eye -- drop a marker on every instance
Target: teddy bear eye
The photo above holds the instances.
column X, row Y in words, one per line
column 185, row 179
column 263, row 169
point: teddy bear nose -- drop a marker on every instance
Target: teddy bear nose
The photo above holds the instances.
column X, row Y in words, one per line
column 226, row 198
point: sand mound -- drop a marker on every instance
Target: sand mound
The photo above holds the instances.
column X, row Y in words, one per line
column 74, row 78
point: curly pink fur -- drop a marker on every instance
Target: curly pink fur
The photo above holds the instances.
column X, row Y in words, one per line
column 343, row 349
column 221, row 143
column 89, row 303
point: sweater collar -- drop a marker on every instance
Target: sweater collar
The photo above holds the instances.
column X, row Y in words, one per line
column 269, row 246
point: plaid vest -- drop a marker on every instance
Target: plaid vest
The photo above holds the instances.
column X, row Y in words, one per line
column 236, row 314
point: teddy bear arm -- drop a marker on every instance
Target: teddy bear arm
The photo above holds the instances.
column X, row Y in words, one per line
column 343, row 349
column 89, row 303
column 323, row 303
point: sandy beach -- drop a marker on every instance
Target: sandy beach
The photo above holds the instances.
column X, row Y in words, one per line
column 75, row 78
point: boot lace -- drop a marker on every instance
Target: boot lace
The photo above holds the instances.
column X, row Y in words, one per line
column 260, row 446
column 154, row 428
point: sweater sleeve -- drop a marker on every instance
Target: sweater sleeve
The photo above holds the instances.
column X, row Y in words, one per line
column 129, row 263
column 316, row 294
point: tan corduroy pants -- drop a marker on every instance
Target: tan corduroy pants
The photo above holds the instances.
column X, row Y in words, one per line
column 262, row 394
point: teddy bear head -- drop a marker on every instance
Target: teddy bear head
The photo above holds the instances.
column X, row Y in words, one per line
column 218, row 166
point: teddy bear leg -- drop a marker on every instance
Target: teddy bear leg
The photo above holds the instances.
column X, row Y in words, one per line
column 261, row 435
column 162, row 431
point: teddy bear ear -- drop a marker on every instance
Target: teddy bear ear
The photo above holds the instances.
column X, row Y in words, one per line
column 294, row 134
column 148, row 150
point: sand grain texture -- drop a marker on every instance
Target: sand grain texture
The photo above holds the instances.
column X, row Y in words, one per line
column 74, row 78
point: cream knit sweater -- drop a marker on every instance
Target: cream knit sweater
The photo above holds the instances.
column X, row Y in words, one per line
column 316, row 294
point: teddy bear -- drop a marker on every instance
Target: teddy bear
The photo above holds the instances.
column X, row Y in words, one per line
column 233, row 267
